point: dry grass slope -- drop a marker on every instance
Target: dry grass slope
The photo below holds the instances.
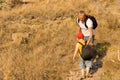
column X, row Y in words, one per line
column 38, row 39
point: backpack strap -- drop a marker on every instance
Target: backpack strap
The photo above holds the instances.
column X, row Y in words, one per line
column 78, row 20
column 80, row 43
column 86, row 18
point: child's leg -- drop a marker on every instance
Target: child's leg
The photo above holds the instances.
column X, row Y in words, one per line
column 87, row 70
column 82, row 67
column 83, row 72
column 88, row 66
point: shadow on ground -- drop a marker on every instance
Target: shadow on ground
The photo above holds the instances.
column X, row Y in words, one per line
column 101, row 52
column 27, row 2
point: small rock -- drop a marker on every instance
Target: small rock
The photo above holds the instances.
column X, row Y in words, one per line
column 18, row 37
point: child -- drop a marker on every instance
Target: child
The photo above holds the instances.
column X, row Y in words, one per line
column 82, row 63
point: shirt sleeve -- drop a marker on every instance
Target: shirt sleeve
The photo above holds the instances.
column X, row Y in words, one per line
column 89, row 23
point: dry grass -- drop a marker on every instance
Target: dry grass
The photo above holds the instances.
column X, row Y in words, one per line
column 46, row 53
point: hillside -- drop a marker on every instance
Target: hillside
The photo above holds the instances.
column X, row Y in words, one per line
column 37, row 39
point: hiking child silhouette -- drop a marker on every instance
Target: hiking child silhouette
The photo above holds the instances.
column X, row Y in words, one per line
column 85, row 56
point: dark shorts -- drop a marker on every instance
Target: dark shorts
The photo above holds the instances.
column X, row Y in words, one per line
column 87, row 37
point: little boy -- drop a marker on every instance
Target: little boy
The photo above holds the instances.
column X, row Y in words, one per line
column 82, row 63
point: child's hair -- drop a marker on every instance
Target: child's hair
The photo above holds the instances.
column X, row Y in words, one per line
column 80, row 35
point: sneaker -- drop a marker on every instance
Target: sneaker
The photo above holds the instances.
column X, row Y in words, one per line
column 82, row 78
column 89, row 75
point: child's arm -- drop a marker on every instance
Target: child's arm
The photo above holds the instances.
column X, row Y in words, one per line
column 76, row 50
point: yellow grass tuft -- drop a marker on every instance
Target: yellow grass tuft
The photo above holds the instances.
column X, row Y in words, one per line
column 44, row 32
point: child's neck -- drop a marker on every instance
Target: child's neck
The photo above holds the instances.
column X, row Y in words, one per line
column 80, row 39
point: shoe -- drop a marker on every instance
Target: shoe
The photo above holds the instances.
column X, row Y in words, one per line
column 89, row 75
column 82, row 78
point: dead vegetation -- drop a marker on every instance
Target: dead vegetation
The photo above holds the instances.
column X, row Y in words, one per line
column 38, row 39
